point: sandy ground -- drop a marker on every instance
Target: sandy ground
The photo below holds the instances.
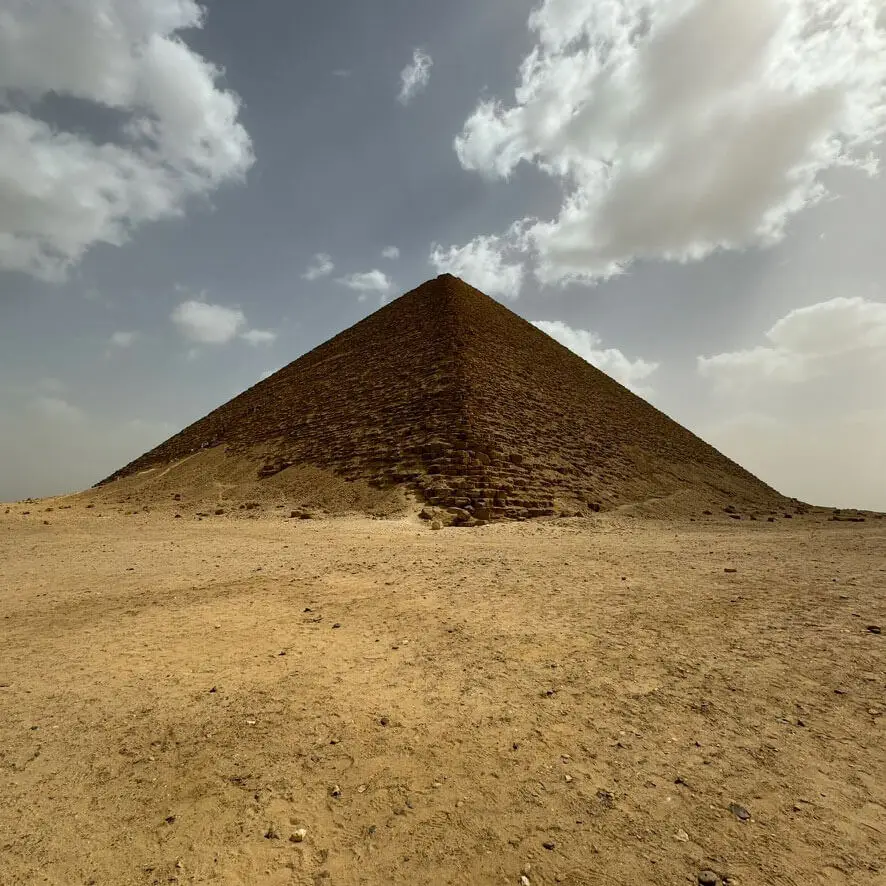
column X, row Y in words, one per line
column 578, row 701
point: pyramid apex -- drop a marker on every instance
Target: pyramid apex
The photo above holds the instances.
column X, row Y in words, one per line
column 446, row 278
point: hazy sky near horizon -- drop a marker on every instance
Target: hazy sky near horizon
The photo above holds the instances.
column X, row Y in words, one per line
column 687, row 194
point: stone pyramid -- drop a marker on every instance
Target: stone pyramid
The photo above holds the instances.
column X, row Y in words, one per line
column 447, row 392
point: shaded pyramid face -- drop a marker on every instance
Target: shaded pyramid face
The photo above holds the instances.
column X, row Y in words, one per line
column 448, row 392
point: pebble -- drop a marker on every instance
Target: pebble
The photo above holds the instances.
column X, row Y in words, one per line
column 550, row 845
column 730, row 571
column 682, row 836
column 524, row 880
column 335, row 792
column 708, row 878
column 568, row 779
column 298, row 836
column 875, row 629
column 739, row 812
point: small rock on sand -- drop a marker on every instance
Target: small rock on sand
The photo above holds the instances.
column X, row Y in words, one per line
column 739, row 812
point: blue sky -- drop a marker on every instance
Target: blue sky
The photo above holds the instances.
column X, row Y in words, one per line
column 686, row 194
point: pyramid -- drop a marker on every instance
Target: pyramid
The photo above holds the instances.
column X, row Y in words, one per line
column 448, row 393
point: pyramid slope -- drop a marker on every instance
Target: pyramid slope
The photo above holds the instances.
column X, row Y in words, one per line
column 586, row 436
column 448, row 392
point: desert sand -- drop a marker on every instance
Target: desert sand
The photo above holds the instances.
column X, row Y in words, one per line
column 247, row 698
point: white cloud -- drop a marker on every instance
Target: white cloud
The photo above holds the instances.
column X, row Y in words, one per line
column 610, row 360
column 390, row 252
column 321, row 266
column 806, row 410
column 482, row 263
column 680, row 127
column 415, row 76
column 123, row 339
column 807, row 343
column 50, row 386
column 259, row 336
column 62, row 192
column 832, row 327
column 830, row 459
column 343, row 73
column 208, row 324
column 51, row 447
column 368, row 282
column 55, row 409
column 740, row 369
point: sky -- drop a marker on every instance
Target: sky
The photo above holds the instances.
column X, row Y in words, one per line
column 685, row 193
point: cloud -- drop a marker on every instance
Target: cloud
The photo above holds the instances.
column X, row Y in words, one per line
column 50, row 386
column 832, row 460
column 482, row 263
column 259, row 337
column 680, row 127
column 415, row 76
column 63, row 192
column 341, row 72
column 55, row 409
column 123, row 339
column 367, row 282
column 52, row 447
column 805, row 410
column 321, row 266
column 208, row 324
column 610, row 360
column 807, row 343
column 390, row 252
